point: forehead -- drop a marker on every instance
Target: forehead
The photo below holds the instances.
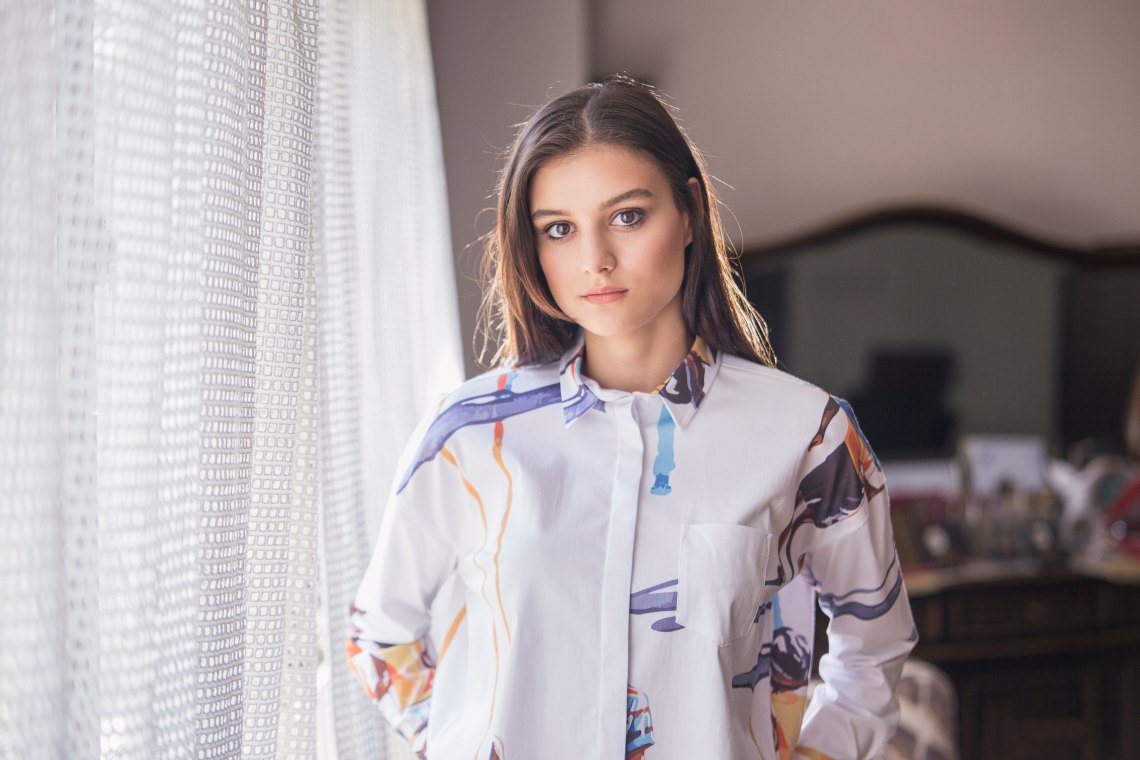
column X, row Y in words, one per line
column 586, row 178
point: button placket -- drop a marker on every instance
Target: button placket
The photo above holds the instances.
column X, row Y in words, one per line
column 617, row 578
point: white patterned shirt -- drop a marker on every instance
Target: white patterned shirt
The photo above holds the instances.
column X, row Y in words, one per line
column 569, row 571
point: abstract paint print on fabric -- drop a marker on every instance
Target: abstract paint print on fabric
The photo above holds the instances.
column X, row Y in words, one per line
column 647, row 563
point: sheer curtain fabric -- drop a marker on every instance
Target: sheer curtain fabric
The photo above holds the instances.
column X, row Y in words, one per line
column 226, row 292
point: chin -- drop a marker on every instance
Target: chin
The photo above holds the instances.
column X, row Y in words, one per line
column 607, row 330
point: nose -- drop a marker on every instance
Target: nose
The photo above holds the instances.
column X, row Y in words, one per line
column 597, row 254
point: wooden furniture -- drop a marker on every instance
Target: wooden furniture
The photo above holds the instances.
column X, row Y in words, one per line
column 1046, row 662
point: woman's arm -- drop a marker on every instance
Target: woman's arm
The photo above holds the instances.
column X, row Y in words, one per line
column 388, row 645
column 390, row 621
column 847, row 549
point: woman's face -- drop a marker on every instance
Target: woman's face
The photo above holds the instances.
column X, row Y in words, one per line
column 611, row 241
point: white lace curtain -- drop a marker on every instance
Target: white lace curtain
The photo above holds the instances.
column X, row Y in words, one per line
column 226, row 294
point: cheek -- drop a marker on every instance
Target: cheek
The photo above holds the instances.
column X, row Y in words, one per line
column 555, row 274
column 666, row 254
column 672, row 266
column 547, row 268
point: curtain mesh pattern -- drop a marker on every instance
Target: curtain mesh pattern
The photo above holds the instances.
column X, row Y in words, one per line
column 217, row 325
column 281, row 647
column 396, row 211
column 357, row 732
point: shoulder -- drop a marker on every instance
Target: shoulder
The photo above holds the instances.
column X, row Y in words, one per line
column 489, row 397
column 782, row 406
column 749, row 380
column 518, row 379
column 798, row 405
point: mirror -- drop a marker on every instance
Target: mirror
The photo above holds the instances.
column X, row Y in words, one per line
column 936, row 324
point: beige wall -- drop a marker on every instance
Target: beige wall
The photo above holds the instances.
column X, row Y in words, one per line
column 1025, row 111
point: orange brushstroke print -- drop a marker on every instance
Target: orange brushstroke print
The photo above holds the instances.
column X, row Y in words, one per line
column 498, row 452
column 863, row 460
column 451, row 634
column 449, row 457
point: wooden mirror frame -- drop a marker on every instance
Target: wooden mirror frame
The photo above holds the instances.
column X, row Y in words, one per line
column 1086, row 410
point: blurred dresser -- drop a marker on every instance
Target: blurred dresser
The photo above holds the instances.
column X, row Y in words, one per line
column 1046, row 662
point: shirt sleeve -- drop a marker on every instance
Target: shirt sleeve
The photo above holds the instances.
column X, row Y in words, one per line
column 388, row 645
column 842, row 539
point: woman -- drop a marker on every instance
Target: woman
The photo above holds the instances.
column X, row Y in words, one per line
column 610, row 546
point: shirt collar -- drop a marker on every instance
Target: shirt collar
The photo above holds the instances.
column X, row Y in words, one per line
column 682, row 392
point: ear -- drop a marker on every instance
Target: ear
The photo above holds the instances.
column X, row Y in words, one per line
column 698, row 205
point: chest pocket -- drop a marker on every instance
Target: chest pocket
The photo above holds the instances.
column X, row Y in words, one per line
column 721, row 574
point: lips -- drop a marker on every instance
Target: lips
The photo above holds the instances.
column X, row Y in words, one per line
column 607, row 294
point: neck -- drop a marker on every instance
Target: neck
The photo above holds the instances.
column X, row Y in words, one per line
column 637, row 361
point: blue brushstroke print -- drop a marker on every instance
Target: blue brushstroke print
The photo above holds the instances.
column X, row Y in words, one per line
column 478, row 410
column 835, row 605
column 654, row 600
column 664, row 463
column 786, row 659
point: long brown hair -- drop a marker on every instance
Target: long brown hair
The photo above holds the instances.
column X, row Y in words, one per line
column 519, row 312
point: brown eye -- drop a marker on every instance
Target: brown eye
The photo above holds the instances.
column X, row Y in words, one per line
column 558, row 230
column 629, row 218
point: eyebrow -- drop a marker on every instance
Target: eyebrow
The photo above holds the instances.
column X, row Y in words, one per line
column 637, row 192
